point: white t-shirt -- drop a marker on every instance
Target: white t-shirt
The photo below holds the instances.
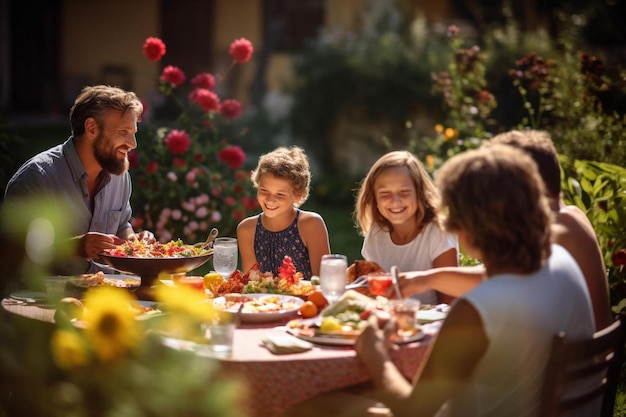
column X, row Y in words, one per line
column 520, row 315
column 417, row 255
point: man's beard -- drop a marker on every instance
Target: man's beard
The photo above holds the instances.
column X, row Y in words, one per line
column 108, row 159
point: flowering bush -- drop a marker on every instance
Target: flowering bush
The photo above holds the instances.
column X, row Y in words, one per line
column 188, row 177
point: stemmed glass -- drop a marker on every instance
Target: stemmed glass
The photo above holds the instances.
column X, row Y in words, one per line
column 333, row 276
column 225, row 256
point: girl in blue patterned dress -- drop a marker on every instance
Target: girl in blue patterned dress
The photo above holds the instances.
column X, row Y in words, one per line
column 282, row 178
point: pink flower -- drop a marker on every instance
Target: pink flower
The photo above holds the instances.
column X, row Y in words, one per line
column 231, row 109
column 208, row 100
column 190, row 177
column 172, row 176
column 152, row 167
column 154, row 49
column 144, row 110
column 176, row 214
column 241, row 50
column 233, row 156
column 173, row 75
column 177, row 142
column 216, row 216
column 202, row 212
column 203, row 80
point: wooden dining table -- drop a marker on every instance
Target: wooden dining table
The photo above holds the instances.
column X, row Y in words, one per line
column 276, row 382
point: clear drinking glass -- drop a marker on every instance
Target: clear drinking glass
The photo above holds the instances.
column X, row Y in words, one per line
column 225, row 255
column 333, row 276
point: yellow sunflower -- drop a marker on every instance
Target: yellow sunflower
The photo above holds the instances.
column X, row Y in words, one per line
column 185, row 300
column 69, row 350
column 110, row 323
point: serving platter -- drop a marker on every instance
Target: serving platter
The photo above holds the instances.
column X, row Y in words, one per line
column 338, row 339
column 282, row 306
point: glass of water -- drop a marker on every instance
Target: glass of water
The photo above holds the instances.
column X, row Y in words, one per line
column 225, row 256
column 333, row 276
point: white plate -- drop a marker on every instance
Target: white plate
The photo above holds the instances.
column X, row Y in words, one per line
column 339, row 340
column 254, row 317
column 428, row 316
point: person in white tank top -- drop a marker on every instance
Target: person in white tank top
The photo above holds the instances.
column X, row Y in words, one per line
column 490, row 355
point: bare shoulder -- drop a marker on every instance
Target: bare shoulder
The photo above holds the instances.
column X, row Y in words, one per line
column 571, row 222
column 310, row 218
column 247, row 225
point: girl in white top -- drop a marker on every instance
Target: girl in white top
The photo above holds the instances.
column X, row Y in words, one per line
column 490, row 355
column 395, row 211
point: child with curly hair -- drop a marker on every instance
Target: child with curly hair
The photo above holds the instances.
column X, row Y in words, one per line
column 282, row 178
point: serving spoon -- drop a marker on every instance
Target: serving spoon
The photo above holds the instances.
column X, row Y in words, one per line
column 209, row 240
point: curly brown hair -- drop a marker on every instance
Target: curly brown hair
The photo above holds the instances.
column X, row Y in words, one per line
column 366, row 212
column 288, row 163
column 497, row 198
column 95, row 101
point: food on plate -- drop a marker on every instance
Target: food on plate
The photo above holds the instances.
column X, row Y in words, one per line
column 362, row 267
column 143, row 249
column 345, row 318
column 99, row 278
column 288, row 282
column 266, row 304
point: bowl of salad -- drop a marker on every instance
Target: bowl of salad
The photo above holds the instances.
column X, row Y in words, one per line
column 148, row 260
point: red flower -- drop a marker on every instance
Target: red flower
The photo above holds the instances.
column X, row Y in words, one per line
column 241, row 50
column 241, row 175
column 133, row 159
column 179, row 162
column 237, row 188
column 619, row 257
column 173, row 75
column 198, row 157
column 233, row 156
column 177, row 142
column 249, row 203
column 208, row 100
column 145, row 105
column 231, row 109
column 203, row 80
column 154, row 49
column 238, row 215
column 152, row 167
column 229, row 201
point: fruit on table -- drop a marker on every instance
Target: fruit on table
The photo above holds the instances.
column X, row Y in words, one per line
column 212, row 278
column 308, row 310
column 318, row 299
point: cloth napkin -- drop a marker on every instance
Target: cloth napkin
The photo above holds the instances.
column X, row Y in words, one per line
column 283, row 343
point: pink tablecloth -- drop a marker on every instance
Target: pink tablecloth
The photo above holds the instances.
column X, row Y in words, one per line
column 276, row 382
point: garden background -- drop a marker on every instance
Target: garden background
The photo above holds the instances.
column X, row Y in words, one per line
column 399, row 82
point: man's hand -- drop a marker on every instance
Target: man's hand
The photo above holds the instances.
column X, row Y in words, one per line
column 91, row 244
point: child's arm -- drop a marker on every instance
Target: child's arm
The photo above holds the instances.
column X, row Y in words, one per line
column 245, row 240
column 315, row 237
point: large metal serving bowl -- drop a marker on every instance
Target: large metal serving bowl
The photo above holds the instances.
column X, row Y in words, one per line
column 150, row 268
